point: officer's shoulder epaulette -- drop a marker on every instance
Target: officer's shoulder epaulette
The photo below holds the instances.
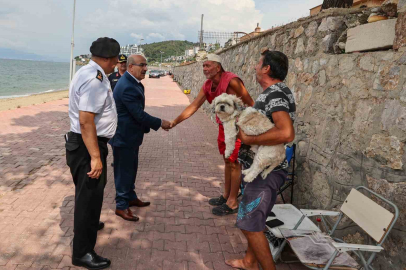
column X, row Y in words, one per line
column 99, row 76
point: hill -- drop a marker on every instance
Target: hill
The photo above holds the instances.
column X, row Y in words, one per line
column 171, row 47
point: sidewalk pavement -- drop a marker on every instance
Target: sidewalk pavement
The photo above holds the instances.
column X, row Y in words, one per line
column 178, row 172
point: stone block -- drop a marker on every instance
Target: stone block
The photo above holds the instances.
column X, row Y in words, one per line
column 331, row 24
column 300, row 46
column 387, row 150
column 311, row 30
column 298, row 32
column 367, row 63
column 371, row 36
column 327, row 43
column 311, row 45
column 390, row 7
column 402, row 6
column 387, row 78
column 400, row 31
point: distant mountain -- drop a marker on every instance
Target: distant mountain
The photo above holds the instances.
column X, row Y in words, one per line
column 19, row 55
column 169, row 48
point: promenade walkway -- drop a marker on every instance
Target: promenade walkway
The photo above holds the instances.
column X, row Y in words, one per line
column 178, row 171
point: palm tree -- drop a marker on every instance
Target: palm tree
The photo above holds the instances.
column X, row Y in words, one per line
column 337, row 4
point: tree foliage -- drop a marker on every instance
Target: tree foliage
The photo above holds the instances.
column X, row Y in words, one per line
column 169, row 48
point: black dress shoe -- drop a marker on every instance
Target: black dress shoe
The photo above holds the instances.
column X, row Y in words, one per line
column 91, row 261
column 100, row 258
column 101, row 226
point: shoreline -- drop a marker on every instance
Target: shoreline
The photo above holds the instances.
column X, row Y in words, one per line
column 34, row 99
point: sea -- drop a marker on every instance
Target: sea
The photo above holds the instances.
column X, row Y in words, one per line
column 20, row 78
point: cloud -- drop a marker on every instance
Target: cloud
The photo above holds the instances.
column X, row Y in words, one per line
column 164, row 20
column 136, row 36
column 45, row 26
column 155, row 36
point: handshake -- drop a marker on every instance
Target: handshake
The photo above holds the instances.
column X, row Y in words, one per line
column 167, row 125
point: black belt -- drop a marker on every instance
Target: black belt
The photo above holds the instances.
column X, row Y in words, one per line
column 78, row 137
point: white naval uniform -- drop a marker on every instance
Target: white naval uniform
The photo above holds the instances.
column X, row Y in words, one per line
column 90, row 91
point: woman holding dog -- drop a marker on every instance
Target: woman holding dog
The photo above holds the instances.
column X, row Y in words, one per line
column 219, row 82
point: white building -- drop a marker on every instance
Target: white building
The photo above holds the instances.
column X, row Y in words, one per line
column 130, row 49
column 179, row 58
column 189, row 53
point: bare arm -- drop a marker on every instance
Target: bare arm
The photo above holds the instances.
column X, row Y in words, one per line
column 191, row 109
column 282, row 132
column 89, row 135
column 236, row 87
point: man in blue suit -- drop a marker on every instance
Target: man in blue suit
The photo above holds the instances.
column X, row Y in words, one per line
column 133, row 122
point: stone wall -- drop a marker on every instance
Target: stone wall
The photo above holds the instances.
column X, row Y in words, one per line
column 351, row 115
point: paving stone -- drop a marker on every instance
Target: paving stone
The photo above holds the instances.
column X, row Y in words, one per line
column 175, row 266
column 163, row 255
column 186, row 237
column 200, row 266
column 212, row 256
column 190, row 256
column 177, row 245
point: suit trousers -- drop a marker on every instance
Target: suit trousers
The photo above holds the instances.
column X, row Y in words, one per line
column 125, row 173
column 88, row 193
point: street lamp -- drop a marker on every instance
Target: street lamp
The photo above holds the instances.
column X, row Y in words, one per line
column 72, row 44
column 161, row 58
column 141, row 39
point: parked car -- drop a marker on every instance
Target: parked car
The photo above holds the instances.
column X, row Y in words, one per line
column 162, row 72
column 154, row 74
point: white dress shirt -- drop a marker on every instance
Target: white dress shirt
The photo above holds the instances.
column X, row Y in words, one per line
column 90, row 91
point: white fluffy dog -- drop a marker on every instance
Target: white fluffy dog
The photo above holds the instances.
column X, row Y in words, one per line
column 230, row 110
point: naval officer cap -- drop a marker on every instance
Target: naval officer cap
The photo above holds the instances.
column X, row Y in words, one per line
column 122, row 58
column 105, row 47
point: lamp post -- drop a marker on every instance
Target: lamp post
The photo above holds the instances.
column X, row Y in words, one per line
column 141, row 39
column 161, row 58
column 72, row 44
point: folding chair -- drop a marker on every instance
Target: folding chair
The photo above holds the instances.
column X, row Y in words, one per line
column 290, row 157
column 318, row 250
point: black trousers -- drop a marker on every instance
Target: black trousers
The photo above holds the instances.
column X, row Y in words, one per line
column 88, row 192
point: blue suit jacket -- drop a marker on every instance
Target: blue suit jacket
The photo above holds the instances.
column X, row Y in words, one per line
column 133, row 121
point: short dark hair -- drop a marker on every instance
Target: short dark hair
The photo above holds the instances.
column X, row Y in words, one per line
column 278, row 62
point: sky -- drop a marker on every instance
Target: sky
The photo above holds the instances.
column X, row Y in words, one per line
column 44, row 27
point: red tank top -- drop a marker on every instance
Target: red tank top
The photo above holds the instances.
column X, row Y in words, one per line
column 221, row 88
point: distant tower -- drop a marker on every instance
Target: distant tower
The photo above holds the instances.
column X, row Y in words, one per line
column 258, row 29
column 201, row 33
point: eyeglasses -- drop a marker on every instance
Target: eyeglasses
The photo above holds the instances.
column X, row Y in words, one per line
column 140, row 65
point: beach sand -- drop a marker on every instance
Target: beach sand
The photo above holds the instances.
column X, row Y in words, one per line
column 18, row 102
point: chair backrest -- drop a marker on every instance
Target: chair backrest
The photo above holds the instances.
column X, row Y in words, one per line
column 367, row 214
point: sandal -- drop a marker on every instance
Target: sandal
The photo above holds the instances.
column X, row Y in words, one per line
column 217, row 201
column 223, row 210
